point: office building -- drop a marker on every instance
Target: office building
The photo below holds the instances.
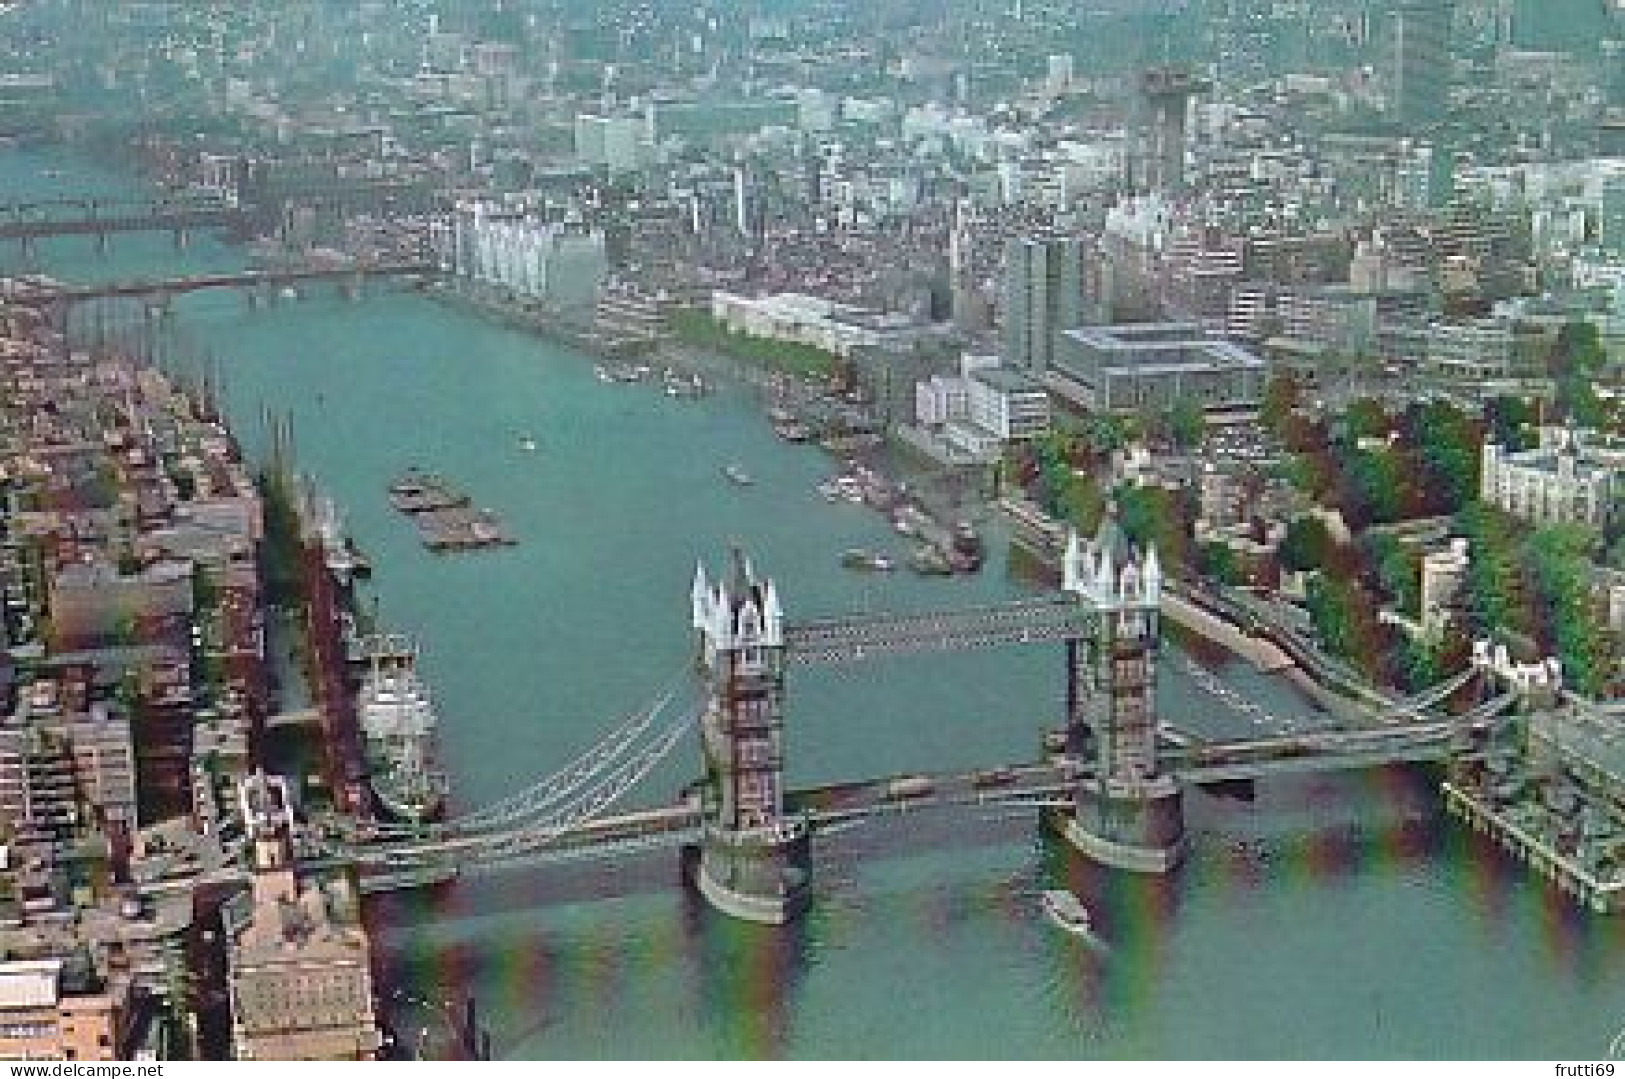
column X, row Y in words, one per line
column 1153, row 366
column 63, row 1009
column 1043, row 296
column 299, row 963
column 1421, row 63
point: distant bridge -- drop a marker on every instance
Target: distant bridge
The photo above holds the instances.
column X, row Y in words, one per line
column 41, row 219
column 165, row 288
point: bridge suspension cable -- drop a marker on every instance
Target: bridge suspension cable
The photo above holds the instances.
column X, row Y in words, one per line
column 592, row 807
column 1417, row 703
column 1413, row 706
column 1489, row 709
column 586, row 803
column 566, row 781
column 559, row 786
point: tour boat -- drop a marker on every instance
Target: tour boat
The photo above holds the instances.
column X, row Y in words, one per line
column 1067, row 911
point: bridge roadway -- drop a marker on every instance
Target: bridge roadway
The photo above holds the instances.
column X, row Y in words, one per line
column 244, row 279
column 857, row 637
column 832, row 806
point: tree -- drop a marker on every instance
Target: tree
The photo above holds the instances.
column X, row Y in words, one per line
column 1373, row 488
column 1306, row 544
column 1493, row 591
column 1160, row 517
column 1367, row 418
column 1508, row 422
column 1575, row 360
column 1331, row 611
column 1082, row 503
column 206, row 590
column 1186, row 423
column 1566, row 623
column 1216, row 561
column 1393, row 570
column 1282, row 396
column 1443, row 445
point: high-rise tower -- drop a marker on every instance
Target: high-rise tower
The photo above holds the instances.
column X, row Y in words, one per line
column 1421, row 75
column 1167, row 92
column 1127, row 813
column 1043, row 295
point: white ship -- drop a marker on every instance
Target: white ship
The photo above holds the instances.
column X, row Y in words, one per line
column 398, row 721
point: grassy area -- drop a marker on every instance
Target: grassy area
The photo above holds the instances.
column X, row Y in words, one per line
column 698, row 328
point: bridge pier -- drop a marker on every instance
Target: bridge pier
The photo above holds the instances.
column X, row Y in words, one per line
column 1138, row 826
column 753, row 861
column 762, row 876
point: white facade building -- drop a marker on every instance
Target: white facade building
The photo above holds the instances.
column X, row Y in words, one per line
column 559, row 264
column 1008, row 404
column 795, row 317
column 1563, row 480
column 974, row 413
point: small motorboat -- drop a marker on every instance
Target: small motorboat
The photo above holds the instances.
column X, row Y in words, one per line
column 860, row 559
column 1067, row 911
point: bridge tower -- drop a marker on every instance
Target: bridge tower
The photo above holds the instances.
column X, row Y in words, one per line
column 1127, row 814
column 753, row 861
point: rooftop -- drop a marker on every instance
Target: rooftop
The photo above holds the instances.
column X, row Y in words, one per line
column 1006, row 380
column 1159, row 347
column 29, row 983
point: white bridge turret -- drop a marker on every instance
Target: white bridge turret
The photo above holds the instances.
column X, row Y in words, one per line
column 748, row 616
column 1091, row 570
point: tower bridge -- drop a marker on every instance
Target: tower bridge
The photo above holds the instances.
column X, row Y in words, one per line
column 1113, row 789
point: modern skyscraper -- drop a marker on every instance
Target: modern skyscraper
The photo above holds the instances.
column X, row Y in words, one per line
column 1167, row 93
column 1043, row 296
column 1421, row 76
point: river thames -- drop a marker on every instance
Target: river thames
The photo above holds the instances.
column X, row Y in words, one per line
column 1338, row 917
